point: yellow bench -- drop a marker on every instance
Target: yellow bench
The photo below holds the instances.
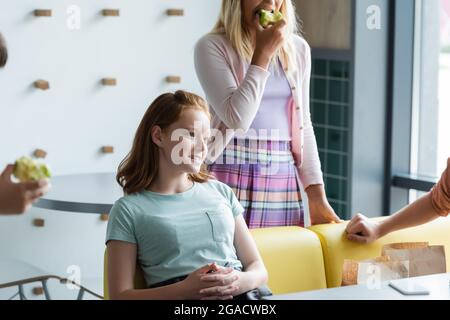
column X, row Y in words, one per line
column 293, row 258
column 336, row 248
column 300, row 259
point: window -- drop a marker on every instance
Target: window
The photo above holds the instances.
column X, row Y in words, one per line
column 430, row 141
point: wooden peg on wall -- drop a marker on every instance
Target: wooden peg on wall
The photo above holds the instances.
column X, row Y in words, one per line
column 109, row 81
column 39, row 222
column 175, row 12
column 107, row 149
column 173, row 79
column 42, row 84
column 104, row 217
column 111, row 12
column 37, row 291
column 39, row 153
column 42, row 13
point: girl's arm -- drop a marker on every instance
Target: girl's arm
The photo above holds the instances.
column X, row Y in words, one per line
column 362, row 229
column 231, row 282
column 417, row 213
column 121, row 271
column 434, row 204
column 255, row 273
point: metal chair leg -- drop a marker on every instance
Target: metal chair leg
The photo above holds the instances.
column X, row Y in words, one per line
column 21, row 293
column 46, row 292
column 80, row 294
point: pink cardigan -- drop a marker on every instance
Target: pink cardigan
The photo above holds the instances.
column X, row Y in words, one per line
column 235, row 97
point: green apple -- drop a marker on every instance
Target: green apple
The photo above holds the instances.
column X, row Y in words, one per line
column 27, row 169
column 266, row 17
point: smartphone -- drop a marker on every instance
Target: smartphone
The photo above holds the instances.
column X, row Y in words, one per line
column 408, row 288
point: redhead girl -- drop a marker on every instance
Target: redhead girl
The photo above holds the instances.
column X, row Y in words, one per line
column 184, row 230
column 256, row 81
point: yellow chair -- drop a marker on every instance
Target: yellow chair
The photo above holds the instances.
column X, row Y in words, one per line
column 293, row 259
column 336, row 247
column 292, row 256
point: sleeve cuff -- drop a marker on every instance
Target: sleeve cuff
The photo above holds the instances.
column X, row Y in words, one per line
column 257, row 71
column 310, row 180
column 440, row 203
column 121, row 237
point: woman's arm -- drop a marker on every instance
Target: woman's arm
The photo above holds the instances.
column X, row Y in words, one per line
column 310, row 172
column 235, row 105
column 121, row 271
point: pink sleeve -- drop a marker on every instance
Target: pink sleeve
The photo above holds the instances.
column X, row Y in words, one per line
column 236, row 106
column 310, row 171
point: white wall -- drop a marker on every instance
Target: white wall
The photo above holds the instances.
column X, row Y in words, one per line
column 78, row 116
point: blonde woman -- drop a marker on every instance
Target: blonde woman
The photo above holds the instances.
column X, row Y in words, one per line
column 256, row 81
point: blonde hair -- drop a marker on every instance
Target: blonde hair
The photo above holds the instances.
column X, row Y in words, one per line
column 231, row 24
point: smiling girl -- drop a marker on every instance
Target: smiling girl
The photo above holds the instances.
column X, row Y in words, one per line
column 185, row 230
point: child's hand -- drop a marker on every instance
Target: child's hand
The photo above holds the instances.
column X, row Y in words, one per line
column 19, row 197
column 363, row 230
column 194, row 284
column 221, row 283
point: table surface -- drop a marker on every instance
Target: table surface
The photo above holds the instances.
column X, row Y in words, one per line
column 15, row 272
column 13, row 269
column 82, row 193
column 438, row 285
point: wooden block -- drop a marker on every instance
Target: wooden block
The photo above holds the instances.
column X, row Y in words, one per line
column 108, row 149
column 37, row 291
column 327, row 24
column 42, row 84
column 111, row 12
column 39, row 222
column 39, row 153
column 173, row 79
column 42, row 13
column 109, row 81
column 104, row 216
column 175, row 12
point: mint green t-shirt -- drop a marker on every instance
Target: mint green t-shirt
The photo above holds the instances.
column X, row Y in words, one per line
column 177, row 234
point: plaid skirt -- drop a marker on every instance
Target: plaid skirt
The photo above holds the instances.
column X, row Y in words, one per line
column 265, row 180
